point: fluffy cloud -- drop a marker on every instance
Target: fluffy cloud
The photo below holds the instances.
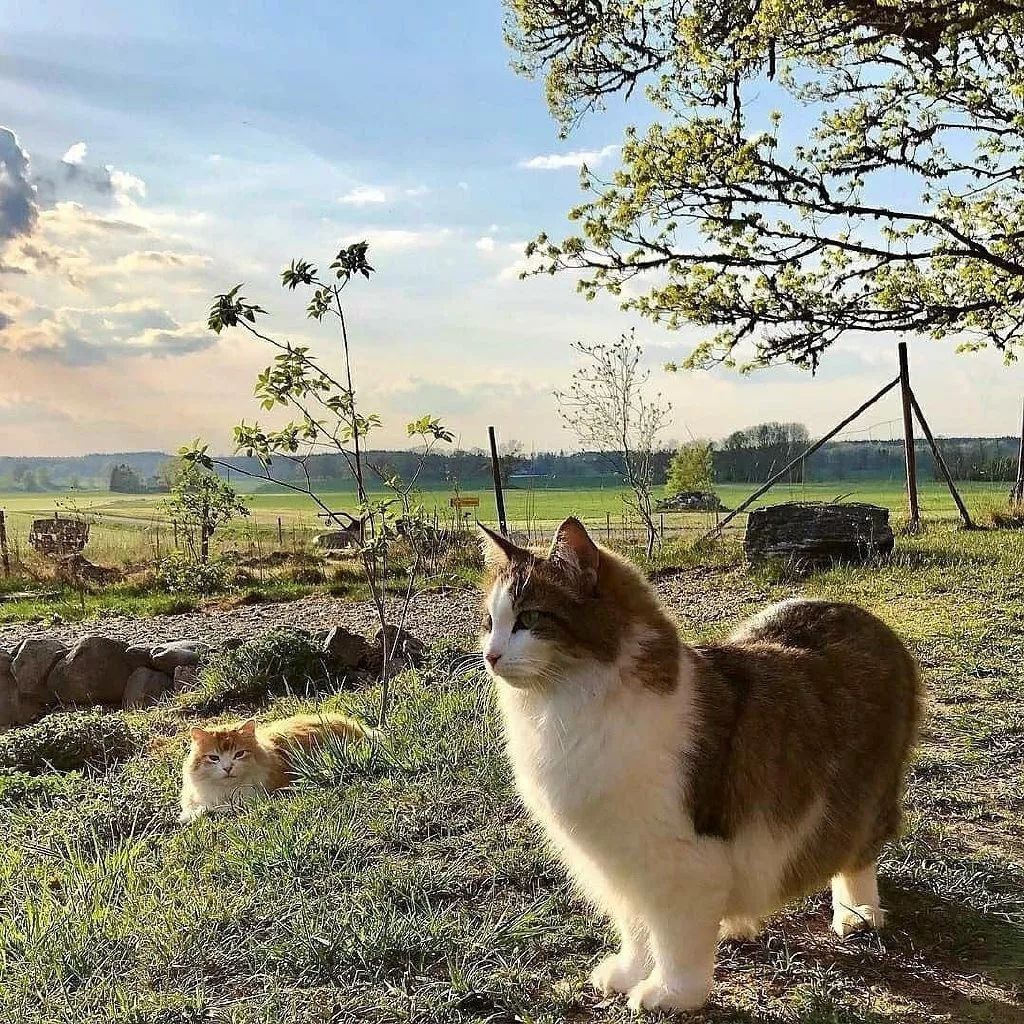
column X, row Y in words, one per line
column 577, row 158
column 80, row 336
column 486, row 244
column 75, row 154
column 18, row 209
column 398, row 239
column 364, row 195
column 127, row 187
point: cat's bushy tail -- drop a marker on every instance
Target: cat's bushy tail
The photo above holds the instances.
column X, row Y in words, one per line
column 309, row 730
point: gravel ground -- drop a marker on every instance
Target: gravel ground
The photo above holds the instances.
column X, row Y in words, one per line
column 699, row 597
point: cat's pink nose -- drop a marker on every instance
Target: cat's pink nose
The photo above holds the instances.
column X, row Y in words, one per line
column 492, row 658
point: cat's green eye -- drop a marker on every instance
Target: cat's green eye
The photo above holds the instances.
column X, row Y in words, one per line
column 213, row 757
column 528, row 619
column 239, row 753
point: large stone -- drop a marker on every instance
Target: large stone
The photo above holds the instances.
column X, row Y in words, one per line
column 8, row 692
column 186, row 677
column 94, row 671
column 33, row 661
column 168, row 657
column 144, row 688
column 406, row 650
column 813, row 533
column 139, row 656
column 346, row 651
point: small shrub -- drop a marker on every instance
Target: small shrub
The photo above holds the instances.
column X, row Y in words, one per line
column 179, row 574
column 282, row 661
column 69, row 742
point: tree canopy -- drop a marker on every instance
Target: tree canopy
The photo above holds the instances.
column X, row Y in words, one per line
column 889, row 196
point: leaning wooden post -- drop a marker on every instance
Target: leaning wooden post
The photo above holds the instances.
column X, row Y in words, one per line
column 908, row 438
column 807, row 453
column 5, row 557
column 1017, row 494
column 499, row 497
column 940, row 462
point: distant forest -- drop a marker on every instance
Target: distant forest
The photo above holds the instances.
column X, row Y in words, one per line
column 745, row 456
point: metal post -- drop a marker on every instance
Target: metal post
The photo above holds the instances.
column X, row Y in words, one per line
column 908, row 438
column 499, row 497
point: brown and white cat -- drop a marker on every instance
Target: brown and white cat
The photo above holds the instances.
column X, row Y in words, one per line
column 231, row 764
column 692, row 791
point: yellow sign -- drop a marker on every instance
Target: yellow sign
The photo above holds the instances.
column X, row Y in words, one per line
column 464, row 502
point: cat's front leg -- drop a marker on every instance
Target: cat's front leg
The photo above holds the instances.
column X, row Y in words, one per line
column 682, row 913
column 619, row 972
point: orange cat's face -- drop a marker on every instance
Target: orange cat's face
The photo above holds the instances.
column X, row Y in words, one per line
column 226, row 754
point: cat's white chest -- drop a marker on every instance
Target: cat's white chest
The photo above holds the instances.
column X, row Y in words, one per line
column 594, row 761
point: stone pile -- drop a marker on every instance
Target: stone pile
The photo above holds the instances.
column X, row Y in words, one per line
column 41, row 674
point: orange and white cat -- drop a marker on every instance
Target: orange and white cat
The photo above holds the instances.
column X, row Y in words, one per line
column 692, row 791
column 231, row 764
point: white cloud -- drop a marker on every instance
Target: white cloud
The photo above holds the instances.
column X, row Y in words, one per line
column 577, row 158
column 126, row 186
column 464, row 185
column 417, row 190
column 76, row 154
column 398, row 239
column 485, row 244
column 364, row 195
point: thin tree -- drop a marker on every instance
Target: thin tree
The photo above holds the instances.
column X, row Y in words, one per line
column 609, row 407
column 328, row 420
column 899, row 207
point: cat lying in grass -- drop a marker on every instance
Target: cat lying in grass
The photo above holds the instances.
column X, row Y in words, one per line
column 692, row 791
column 231, row 764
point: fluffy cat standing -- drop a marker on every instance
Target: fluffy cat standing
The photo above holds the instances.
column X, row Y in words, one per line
column 230, row 764
column 692, row 791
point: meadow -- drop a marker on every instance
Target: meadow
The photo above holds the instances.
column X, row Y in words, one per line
column 405, row 884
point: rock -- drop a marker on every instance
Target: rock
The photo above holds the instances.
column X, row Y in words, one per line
column 167, row 657
column 94, row 671
column 144, row 688
column 338, row 540
column 813, row 533
column 8, row 692
column 691, row 501
column 186, row 677
column 139, row 656
column 407, row 651
column 77, row 569
column 32, row 664
column 346, row 651
column 19, row 708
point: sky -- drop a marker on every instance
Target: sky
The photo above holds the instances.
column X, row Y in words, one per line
column 153, row 155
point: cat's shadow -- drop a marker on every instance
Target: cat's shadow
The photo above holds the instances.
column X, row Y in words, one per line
column 940, row 960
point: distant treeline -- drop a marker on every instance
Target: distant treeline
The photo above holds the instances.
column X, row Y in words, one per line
column 745, row 456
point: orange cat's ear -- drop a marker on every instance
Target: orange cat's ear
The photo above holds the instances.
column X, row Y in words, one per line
column 198, row 735
column 575, row 551
column 247, row 728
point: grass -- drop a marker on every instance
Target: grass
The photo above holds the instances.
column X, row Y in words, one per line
column 409, row 886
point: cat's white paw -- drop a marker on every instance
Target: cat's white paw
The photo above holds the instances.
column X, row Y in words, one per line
column 847, row 920
column 618, row 973
column 739, row 929
column 669, row 994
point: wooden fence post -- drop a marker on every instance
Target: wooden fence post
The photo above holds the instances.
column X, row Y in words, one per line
column 280, row 533
column 908, row 438
column 940, row 462
column 5, row 557
column 1017, row 494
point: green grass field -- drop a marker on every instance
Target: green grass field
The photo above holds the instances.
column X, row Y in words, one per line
column 409, row 888
column 143, row 514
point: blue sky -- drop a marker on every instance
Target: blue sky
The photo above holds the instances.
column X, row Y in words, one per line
column 177, row 149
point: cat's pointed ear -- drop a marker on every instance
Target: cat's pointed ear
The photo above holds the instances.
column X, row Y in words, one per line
column 198, row 735
column 248, row 727
column 573, row 549
column 498, row 551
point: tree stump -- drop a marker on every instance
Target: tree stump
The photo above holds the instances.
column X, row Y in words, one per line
column 813, row 533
